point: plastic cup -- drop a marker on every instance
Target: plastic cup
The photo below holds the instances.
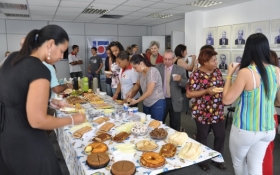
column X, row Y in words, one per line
column 174, row 75
column 125, row 106
column 135, row 109
column 130, row 111
column 148, row 117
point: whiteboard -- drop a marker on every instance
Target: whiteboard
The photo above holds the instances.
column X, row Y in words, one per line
column 177, row 37
column 147, row 39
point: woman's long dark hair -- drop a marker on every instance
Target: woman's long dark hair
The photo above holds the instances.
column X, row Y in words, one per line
column 257, row 50
column 118, row 45
column 36, row 38
column 138, row 58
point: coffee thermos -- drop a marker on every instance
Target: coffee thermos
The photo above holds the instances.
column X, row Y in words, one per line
column 94, row 84
column 76, row 83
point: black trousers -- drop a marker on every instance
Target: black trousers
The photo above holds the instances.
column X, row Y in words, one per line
column 219, row 133
column 76, row 74
column 174, row 117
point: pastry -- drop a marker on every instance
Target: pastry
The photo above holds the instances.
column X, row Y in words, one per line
column 119, row 101
column 98, row 160
column 102, row 137
column 154, row 124
column 101, row 120
column 152, row 160
column 74, row 100
column 168, row 150
column 191, row 151
column 218, row 89
column 79, row 133
column 178, row 138
column 146, row 145
column 123, row 167
column 107, row 126
column 121, row 136
column 139, row 129
column 96, row 147
column 158, row 133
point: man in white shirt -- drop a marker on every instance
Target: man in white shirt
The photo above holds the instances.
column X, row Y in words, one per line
column 74, row 63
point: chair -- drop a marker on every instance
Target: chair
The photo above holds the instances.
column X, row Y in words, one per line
column 230, row 110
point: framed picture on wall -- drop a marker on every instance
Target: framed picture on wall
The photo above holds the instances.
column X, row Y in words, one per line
column 236, row 56
column 209, row 35
column 239, row 35
column 260, row 27
column 224, row 60
column 275, row 33
column 223, row 37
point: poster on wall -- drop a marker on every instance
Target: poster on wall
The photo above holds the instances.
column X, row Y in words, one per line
column 224, row 60
column 239, row 35
column 236, row 56
column 209, row 35
column 275, row 33
column 100, row 44
column 223, row 37
column 260, row 27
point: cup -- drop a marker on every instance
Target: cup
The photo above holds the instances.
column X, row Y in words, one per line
column 117, row 117
column 123, row 115
column 148, row 117
column 143, row 118
column 97, row 90
column 130, row 111
column 235, row 64
column 173, row 75
column 135, row 109
column 125, row 106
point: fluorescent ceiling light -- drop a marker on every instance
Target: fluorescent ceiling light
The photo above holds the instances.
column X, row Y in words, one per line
column 159, row 15
column 204, row 3
column 4, row 5
column 17, row 15
column 92, row 10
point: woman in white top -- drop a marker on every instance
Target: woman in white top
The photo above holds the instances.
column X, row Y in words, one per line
column 127, row 77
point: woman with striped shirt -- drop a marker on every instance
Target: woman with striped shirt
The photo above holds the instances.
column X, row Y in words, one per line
column 255, row 91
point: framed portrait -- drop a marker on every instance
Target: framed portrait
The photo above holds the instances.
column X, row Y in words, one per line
column 239, row 35
column 224, row 60
column 236, row 56
column 223, row 37
column 275, row 33
column 260, row 27
column 209, row 36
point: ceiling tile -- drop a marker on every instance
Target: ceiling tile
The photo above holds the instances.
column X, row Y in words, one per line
column 14, row 1
column 77, row 4
column 71, row 15
column 139, row 14
column 127, row 8
column 88, row 16
column 82, row 20
column 103, row 6
column 115, row 12
column 77, row 0
column 161, row 5
column 68, row 9
column 41, row 13
column 42, row 8
column 2, row 15
column 172, row 12
column 180, row 2
column 138, row 3
column 149, row 10
column 104, row 20
column 43, row 2
column 64, row 20
column 14, row 11
column 148, row 19
column 186, row 8
column 111, row 1
column 19, row 18
column 153, row 0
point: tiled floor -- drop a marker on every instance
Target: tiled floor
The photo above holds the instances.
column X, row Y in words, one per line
column 189, row 125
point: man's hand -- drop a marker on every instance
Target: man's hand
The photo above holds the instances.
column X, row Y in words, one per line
column 177, row 78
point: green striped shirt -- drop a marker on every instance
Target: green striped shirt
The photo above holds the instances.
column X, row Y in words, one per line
column 254, row 110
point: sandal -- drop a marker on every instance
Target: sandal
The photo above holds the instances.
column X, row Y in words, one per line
column 204, row 167
column 221, row 166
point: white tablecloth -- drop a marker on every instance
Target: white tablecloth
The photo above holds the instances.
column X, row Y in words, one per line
column 75, row 158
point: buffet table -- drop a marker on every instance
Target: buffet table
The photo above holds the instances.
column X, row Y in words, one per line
column 75, row 157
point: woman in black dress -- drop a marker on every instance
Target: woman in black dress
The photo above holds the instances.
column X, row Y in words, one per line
column 24, row 92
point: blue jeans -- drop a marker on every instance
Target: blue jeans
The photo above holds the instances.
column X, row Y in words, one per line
column 109, row 90
column 156, row 110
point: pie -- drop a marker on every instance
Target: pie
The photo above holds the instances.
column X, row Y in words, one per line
column 121, row 136
column 96, row 147
column 98, row 160
column 123, row 167
column 146, row 145
column 168, row 150
column 158, row 133
column 154, row 124
column 152, row 160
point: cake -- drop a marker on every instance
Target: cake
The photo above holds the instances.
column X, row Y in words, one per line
column 154, row 124
column 96, row 147
column 191, row 151
column 123, row 167
column 146, row 145
column 98, row 160
column 168, row 150
column 102, row 137
column 101, row 120
column 158, row 133
column 121, row 136
column 178, row 138
column 80, row 132
column 152, row 160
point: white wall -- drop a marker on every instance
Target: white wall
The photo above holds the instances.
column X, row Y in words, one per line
column 11, row 31
column 165, row 29
column 252, row 11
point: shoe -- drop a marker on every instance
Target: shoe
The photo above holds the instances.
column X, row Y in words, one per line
column 221, row 166
column 204, row 167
